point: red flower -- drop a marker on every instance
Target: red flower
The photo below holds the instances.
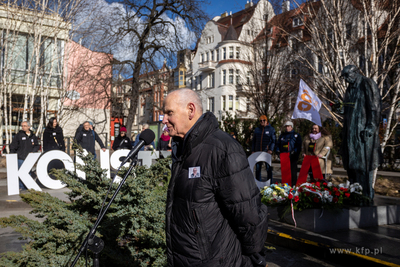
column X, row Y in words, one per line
column 337, row 193
column 296, row 198
column 300, row 190
column 345, row 189
column 307, row 193
column 335, row 189
column 290, row 196
column 335, row 199
column 312, row 189
column 316, row 200
column 347, row 194
column 325, row 184
column 318, row 184
column 326, row 189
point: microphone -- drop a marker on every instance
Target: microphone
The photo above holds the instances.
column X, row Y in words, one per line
column 145, row 138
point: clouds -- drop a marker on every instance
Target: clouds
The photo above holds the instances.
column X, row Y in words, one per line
column 113, row 28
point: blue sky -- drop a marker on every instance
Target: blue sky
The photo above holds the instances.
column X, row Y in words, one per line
column 217, row 7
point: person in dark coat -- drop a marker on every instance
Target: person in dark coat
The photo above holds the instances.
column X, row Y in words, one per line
column 53, row 138
column 122, row 141
column 290, row 142
column 87, row 139
column 216, row 219
column 361, row 151
column 263, row 140
column 165, row 140
column 23, row 143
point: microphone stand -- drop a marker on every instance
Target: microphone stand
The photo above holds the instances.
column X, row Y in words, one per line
column 94, row 243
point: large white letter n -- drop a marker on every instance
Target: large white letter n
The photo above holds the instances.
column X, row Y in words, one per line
column 13, row 174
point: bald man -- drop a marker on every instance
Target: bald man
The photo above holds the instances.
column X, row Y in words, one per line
column 215, row 218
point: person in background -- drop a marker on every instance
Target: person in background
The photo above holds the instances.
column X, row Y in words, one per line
column 53, row 138
column 87, row 139
column 317, row 143
column 165, row 140
column 263, row 140
column 143, row 148
column 290, row 142
column 23, row 143
column 122, row 141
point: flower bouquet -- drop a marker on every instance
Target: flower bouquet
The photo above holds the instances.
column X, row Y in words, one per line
column 313, row 195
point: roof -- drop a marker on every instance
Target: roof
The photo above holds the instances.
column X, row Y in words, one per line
column 236, row 20
column 282, row 24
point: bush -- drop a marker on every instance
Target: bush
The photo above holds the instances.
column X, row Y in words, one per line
column 132, row 229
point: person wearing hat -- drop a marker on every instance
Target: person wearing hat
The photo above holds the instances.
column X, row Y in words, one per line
column 165, row 140
column 290, row 142
column 122, row 141
column 263, row 140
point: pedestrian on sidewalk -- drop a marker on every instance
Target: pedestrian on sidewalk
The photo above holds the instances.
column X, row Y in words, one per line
column 122, row 141
column 317, row 143
column 290, row 142
column 263, row 140
column 24, row 142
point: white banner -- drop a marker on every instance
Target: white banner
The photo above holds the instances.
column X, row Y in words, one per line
column 307, row 105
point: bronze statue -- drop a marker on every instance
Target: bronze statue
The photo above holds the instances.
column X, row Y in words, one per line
column 361, row 149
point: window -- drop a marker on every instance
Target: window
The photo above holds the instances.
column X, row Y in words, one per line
column 212, row 55
column 348, row 31
column 211, row 104
column 330, row 36
column 211, row 80
column 248, row 78
column 200, row 80
column 223, row 102
column 297, row 22
column 237, row 76
column 231, row 52
column 224, row 53
column 195, row 82
column 320, row 65
column 248, row 104
column 230, row 102
column 201, row 58
column 217, row 54
column 237, row 52
column 237, row 103
column 207, row 58
column 223, row 77
column 230, row 76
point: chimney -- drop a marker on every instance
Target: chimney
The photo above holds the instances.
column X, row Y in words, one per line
column 249, row 4
column 225, row 14
column 285, row 6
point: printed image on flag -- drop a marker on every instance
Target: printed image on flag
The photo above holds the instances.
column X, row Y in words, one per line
column 307, row 105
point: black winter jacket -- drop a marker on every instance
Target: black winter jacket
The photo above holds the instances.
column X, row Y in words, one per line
column 216, row 219
column 48, row 139
column 289, row 142
column 87, row 140
column 23, row 144
column 122, row 143
column 263, row 139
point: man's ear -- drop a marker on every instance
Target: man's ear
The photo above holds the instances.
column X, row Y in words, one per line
column 191, row 110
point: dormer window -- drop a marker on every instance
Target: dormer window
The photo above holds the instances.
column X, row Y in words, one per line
column 297, row 22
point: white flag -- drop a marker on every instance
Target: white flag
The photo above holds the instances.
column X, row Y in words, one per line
column 307, row 105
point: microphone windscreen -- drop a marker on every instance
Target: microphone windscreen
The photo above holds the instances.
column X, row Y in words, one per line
column 147, row 136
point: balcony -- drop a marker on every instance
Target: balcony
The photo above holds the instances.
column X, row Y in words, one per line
column 207, row 66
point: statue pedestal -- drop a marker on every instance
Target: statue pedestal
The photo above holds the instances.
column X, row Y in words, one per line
column 318, row 220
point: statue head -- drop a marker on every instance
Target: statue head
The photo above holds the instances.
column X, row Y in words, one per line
column 349, row 73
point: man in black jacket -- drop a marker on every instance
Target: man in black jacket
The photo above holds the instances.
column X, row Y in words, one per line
column 87, row 137
column 216, row 219
column 24, row 142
